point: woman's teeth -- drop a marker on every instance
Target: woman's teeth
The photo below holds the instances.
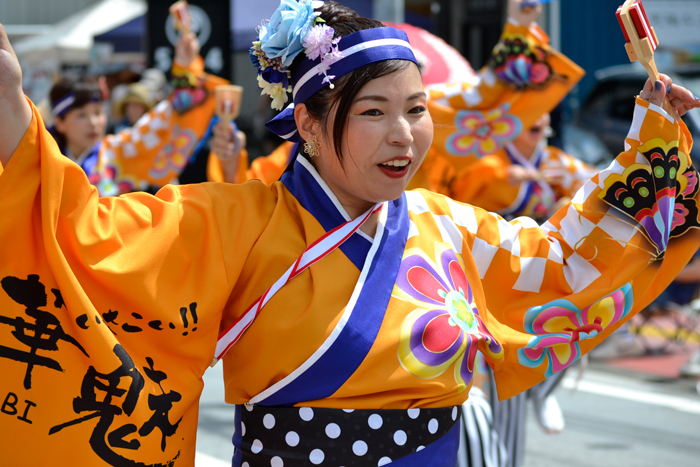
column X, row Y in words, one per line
column 397, row 163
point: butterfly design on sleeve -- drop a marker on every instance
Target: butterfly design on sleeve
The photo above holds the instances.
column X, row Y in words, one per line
column 659, row 194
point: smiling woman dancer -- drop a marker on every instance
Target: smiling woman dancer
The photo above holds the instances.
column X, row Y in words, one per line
column 110, row 307
column 524, row 77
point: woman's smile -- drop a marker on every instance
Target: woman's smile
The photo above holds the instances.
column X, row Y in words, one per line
column 388, row 133
column 396, row 168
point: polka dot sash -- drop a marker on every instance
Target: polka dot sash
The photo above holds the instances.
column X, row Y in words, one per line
column 304, row 436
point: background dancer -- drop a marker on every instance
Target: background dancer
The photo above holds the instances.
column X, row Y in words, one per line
column 157, row 149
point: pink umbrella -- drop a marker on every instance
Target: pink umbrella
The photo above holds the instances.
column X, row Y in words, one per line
column 440, row 62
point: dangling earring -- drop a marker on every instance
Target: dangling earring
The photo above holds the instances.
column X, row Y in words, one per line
column 311, row 147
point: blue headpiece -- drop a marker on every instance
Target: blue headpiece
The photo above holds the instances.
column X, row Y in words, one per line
column 63, row 105
column 66, row 103
column 295, row 27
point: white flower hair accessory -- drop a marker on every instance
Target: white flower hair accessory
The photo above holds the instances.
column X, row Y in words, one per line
column 319, row 42
column 293, row 27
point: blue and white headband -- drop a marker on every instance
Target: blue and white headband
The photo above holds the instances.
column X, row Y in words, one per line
column 63, row 105
column 66, row 103
column 356, row 50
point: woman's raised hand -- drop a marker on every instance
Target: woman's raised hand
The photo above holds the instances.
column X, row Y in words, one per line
column 186, row 49
column 15, row 112
column 227, row 140
column 681, row 99
column 526, row 15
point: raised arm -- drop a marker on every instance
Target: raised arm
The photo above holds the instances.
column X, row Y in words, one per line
column 554, row 291
column 523, row 79
column 112, row 295
column 159, row 146
column 15, row 111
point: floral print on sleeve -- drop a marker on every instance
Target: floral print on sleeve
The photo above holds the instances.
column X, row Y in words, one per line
column 446, row 328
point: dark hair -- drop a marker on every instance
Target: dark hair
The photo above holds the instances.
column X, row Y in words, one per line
column 345, row 21
column 86, row 89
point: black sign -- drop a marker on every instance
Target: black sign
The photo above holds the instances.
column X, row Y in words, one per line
column 211, row 22
column 485, row 11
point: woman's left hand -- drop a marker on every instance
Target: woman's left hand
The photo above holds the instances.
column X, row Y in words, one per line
column 227, row 140
column 680, row 98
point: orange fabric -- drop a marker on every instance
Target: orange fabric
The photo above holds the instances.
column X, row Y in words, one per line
column 484, row 183
column 215, row 171
column 117, row 282
column 158, row 147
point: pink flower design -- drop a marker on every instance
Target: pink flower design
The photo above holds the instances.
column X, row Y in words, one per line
column 481, row 134
column 318, row 41
column 446, row 329
column 175, row 154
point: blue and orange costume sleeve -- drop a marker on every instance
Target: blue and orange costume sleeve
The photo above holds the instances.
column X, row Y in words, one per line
column 485, row 182
column 523, row 79
column 158, row 147
column 548, row 293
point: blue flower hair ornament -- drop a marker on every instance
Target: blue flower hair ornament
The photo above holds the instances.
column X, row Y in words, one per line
column 294, row 27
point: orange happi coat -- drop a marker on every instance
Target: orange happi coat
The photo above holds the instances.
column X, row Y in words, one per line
column 110, row 307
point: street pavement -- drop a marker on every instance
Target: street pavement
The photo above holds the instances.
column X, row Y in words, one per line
column 215, row 429
column 619, row 412
column 634, row 411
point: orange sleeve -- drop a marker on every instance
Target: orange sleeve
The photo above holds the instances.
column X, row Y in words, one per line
column 552, row 291
column 128, row 292
column 158, row 147
column 215, row 170
column 523, row 79
column 268, row 169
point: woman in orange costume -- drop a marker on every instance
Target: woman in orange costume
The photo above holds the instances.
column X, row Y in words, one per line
column 523, row 79
column 369, row 302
